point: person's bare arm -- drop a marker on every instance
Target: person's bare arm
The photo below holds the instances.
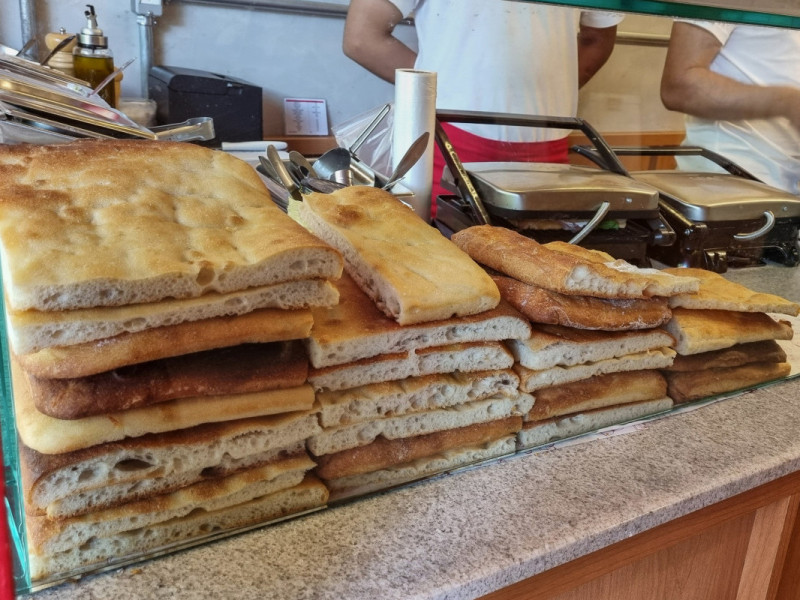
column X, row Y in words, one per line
column 594, row 47
column 688, row 84
column 368, row 38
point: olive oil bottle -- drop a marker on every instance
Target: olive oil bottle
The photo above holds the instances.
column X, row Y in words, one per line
column 92, row 59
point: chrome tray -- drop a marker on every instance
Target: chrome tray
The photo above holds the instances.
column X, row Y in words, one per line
column 714, row 197
column 519, row 189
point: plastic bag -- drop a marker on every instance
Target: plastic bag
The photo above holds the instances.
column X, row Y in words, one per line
column 376, row 150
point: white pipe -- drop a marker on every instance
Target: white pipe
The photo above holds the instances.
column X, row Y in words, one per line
column 146, row 23
column 27, row 15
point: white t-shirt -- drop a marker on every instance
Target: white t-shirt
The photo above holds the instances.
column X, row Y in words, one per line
column 504, row 57
column 768, row 148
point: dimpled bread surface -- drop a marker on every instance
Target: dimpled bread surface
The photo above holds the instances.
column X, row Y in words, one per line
column 106, row 223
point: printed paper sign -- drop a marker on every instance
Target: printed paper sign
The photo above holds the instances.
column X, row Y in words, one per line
column 305, row 116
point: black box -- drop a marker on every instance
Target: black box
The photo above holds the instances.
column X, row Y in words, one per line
column 182, row 94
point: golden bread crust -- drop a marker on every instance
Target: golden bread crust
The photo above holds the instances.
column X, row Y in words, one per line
column 685, row 386
column 412, row 272
column 582, row 312
column 81, row 360
column 242, row 369
column 383, row 453
column 599, row 391
column 141, row 221
column 565, row 268
column 716, row 292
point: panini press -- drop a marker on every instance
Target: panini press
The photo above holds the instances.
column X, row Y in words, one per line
column 727, row 219
column 599, row 208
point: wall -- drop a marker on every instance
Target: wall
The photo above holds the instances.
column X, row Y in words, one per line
column 300, row 56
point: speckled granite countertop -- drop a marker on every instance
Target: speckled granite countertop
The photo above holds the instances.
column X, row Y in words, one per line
column 473, row 532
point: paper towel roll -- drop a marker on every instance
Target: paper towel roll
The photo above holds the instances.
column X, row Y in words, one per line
column 415, row 113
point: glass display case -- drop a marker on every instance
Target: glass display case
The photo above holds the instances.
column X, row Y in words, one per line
column 774, row 13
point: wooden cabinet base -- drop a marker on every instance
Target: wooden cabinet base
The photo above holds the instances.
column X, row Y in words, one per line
column 744, row 548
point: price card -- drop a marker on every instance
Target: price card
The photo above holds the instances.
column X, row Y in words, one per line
column 305, row 116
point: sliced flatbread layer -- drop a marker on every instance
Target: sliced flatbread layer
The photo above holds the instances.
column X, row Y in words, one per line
column 383, row 453
column 467, row 357
column 565, row 268
column 413, row 394
column 735, row 356
column 685, row 386
column 336, row 439
column 48, row 536
column 101, row 476
column 554, row 345
column 258, row 327
column 53, row 436
column 33, row 330
column 356, row 329
column 242, row 369
column 698, row 331
column 115, row 222
column 307, row 495
column 410, row 270
column 538, row 433
column 365, row 483
column 531, row 380
column 583, row 312
column 596, row 392
column 719, row 293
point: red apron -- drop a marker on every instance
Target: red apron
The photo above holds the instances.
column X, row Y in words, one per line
column 473, row 148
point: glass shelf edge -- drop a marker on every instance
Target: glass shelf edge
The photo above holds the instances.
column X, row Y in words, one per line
column 772, row 16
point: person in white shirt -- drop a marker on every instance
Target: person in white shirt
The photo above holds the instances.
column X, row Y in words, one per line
column 489, row 55
column 740, row 89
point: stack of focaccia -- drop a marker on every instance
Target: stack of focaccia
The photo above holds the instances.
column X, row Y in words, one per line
column 410, row 368
column 156, row 299
column 597, row 345
column 725, row 338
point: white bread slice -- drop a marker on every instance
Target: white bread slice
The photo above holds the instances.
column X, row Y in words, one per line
column 102, row 476
column 55, row 436
column 33, row 330
column 413, row 394
column 565, row 268
column 411, row 271
column 698, row 331
column 356, row 329
column 554, row 345
column 473, row 356
column 336, row 439
column 48, row 536
column 357, row 485
column 197, row 525
column 81, row 360
column 179, row 221
column 538, row 433
column 719, row 293
column 530, row 380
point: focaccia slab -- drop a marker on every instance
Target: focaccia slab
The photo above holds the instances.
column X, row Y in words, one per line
column 565, row 268
column 356, row 329
column 113, row 222
column 409, row 269
column 241, row 369
column 583, row 312
column 698, row 331
column 718, row 293
column 81, row 360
